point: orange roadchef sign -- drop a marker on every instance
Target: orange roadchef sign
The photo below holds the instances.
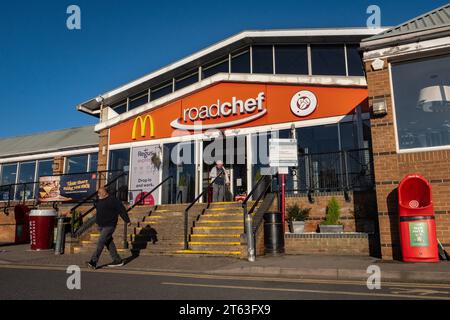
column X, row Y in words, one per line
column 239, row 105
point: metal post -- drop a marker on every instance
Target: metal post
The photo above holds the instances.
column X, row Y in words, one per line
column 250, row 238
column 186, row 241
column 125, row 235
column 283, row 199
column 60, row 236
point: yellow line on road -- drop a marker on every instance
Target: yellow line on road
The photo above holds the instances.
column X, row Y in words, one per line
column 337, row 292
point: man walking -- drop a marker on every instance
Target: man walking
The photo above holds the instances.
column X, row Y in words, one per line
column 220, row 183
column 108, row 210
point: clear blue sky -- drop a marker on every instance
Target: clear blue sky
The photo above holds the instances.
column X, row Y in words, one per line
column 46, row 70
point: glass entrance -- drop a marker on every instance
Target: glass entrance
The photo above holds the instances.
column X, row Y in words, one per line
column 179, row 163
column 232, row 151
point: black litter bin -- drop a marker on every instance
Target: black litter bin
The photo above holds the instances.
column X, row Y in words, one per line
column 273, row 234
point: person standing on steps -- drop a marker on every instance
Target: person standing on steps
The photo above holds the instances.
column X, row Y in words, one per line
column 108, row 209
column 220, row 184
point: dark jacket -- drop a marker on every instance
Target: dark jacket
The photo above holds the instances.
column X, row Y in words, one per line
column 108, row 211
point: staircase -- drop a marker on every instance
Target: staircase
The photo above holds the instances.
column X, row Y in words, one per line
column 217, row 231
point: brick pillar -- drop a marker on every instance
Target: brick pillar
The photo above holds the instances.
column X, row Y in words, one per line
column 58, row 165
column 103, row 153
column 385, row 162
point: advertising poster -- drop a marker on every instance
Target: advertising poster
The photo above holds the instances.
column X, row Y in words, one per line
column 145, row 174
column 67, row 188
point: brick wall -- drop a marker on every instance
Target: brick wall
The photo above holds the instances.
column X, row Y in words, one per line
column 350, row 244
column 391, row 168
column 103, row 152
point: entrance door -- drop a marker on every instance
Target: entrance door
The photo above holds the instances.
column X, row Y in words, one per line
column 232, row 151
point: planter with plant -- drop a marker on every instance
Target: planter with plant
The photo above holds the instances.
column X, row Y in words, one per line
column 296, row 217
column 331, row 223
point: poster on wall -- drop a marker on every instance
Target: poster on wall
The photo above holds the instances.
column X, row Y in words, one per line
column 145, row 174
column 67, row 188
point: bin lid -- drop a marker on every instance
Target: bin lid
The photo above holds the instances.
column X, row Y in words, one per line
column 43, row 213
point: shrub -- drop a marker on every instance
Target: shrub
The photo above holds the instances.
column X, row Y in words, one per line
column 296, row 213
column 333, row 212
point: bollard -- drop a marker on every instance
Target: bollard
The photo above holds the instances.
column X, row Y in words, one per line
column 60, row 236
column 250, row 238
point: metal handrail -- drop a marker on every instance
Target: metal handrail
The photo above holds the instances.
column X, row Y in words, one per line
column 141, row 201
column 85, row 200
column 248, row 219
column 12, row 189
column 186, row 211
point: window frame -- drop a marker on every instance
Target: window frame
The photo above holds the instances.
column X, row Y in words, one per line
column 394, row 111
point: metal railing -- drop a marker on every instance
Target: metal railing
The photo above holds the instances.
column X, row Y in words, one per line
column 333, row 171
column 260, row 190
column 77, row 225
column 186, row 211
column 141, row 202
column 19, row 193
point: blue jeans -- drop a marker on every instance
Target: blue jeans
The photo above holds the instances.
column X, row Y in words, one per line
column 106, row 240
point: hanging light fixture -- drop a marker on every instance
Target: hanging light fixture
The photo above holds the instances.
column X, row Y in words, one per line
column 434, row 99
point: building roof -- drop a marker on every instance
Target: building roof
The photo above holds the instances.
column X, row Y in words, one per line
column 46, row 142
column 431, row 21
column 224, row 47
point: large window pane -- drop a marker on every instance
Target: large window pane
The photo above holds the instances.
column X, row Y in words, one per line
column 161, row 91
column 77, row 164
column 262, row 59
column 215, row 68
column 138, row 100
column 93, row 162
column 328, row 60
column 240, row 62
column 354, row 60
column 422, row 102
column 186, row 80
column 119, row 160
column 27, row 173
column 120, row 107
column 9, row 176
column 45, row 168
column 291, row 59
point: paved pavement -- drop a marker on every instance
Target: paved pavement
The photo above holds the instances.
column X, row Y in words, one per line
column 287, row 268
column 49, row 283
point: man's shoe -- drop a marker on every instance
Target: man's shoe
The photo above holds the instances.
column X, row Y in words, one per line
column 92, row 265
column 115, row 264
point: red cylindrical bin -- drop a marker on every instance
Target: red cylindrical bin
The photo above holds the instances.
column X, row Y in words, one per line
column 417, row 224
column 42, row 224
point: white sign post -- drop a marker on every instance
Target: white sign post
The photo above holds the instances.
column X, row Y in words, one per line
column 282, row 155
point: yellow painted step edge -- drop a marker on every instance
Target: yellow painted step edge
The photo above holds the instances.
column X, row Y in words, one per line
column 208, row 252
column 219, row 228
column 216, row 235
column 220, row 221
column 215, row 243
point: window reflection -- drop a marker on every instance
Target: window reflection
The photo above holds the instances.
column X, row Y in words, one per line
column 422, row 102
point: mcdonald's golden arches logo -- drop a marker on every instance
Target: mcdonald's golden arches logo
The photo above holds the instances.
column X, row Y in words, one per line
column 143, row 122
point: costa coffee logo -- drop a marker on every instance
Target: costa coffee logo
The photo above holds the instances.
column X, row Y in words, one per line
column 303, row 103
column 252, row 108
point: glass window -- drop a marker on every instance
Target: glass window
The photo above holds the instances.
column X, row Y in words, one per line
column 318, row 139
column 138, row 100
column 93, row 162
column 328, row 59
column 186, row 80
column 9, row 174
column 45, row 168
column 422, row 102
column 262, row 59
column 77, row 164
column 27, row 172
column 119, row 160
column 291, row 59
column 240, row 62
column 120, row 107
column 215, row 68
column 161, row 91
column 354, row 61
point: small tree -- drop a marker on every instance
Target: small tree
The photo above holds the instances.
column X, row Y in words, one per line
column 296, row 213
column 333, row 212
